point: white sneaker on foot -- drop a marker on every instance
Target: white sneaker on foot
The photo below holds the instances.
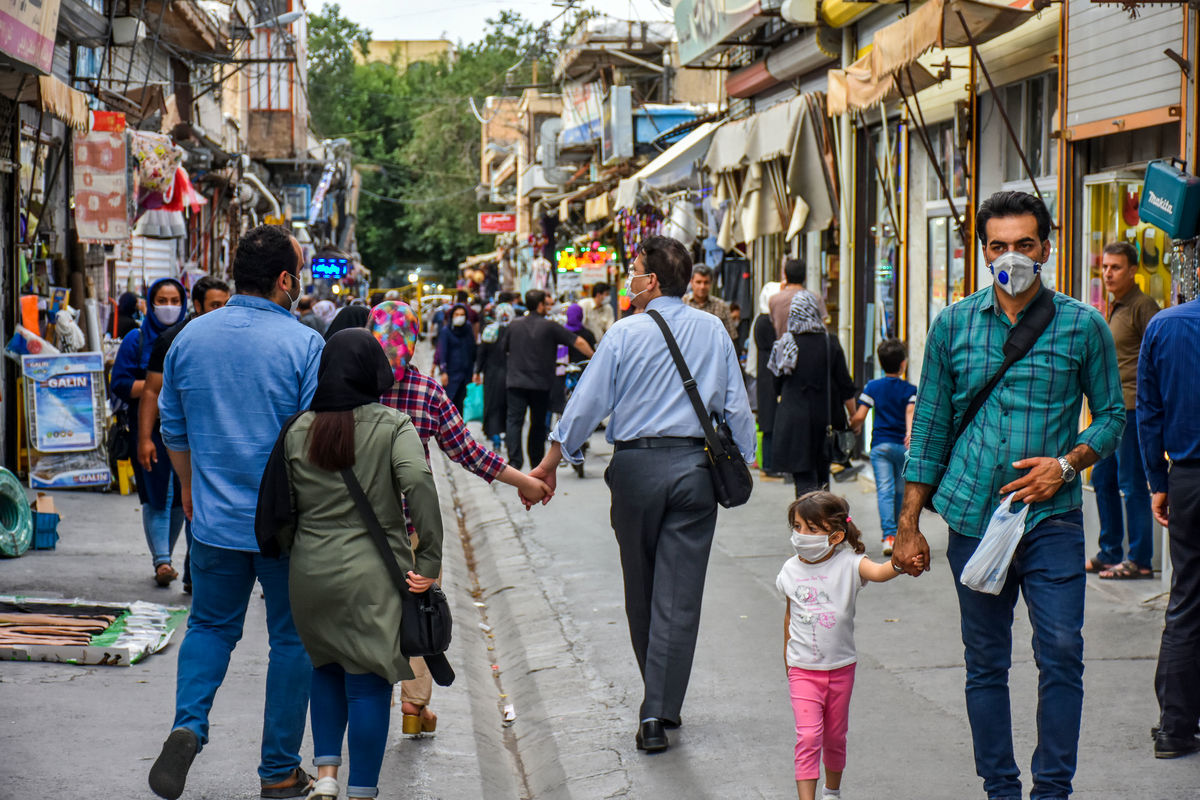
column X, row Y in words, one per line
column 324, row 789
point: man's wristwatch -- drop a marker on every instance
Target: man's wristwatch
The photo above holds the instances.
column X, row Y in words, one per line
column 1068, row 472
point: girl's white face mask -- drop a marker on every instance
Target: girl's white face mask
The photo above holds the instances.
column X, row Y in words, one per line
column 812, row 546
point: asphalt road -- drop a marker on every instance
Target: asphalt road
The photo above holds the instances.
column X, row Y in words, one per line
column 542, row 589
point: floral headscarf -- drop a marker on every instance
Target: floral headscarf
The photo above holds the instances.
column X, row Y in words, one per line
column 803, row 317
column 395, row 326
column 505, row 314
column 325, row 311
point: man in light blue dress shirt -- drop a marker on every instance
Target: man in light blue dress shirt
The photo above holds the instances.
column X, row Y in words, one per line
column 664, row 511
column 231, row 379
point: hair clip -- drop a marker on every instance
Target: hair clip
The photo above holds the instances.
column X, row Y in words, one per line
column 849, row 518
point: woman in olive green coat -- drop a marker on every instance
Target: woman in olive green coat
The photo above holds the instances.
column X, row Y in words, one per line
column 346, row 608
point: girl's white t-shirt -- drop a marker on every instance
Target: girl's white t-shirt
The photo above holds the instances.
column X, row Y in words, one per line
column 821, row 629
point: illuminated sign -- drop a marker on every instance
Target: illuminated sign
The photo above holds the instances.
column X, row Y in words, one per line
column 330, row 267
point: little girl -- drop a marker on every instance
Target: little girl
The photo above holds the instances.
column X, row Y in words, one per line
column 821, row 584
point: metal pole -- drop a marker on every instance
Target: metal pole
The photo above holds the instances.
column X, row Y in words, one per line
column 999, row 106
column 845, row 215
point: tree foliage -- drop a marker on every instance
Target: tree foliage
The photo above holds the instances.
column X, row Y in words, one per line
column 413, row 133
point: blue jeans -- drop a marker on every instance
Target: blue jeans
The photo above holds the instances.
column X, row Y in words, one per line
column 1047, row 569
column 362, row 701
column 162, row 527
column 887, row 460
column 222, row 583
column 1122, row 472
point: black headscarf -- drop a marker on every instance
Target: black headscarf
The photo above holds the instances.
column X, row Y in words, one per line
column 354, row 371
column 348, row 318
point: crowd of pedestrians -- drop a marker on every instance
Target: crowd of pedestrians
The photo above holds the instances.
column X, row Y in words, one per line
column 264, row 463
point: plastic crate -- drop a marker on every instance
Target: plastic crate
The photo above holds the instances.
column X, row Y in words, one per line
column 45, row 531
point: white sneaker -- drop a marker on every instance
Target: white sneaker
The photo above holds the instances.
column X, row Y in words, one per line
column 324, row 789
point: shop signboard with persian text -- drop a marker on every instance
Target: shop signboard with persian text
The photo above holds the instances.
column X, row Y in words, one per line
column 703, row 24
column 64, row 404
column 497, row 222
column 27, row 31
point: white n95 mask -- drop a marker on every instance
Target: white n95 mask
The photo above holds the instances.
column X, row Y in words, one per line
column 1015, row 272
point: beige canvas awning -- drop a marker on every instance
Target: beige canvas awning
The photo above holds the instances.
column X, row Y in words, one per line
column 896, row 48
column 855, row 88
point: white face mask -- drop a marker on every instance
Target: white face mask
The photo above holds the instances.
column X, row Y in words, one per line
column 1015, row 272
column 629, row 286
column 811, row 546
column 167, row 315
column 459, row 320
column 299, row 293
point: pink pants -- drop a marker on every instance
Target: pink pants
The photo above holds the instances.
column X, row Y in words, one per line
column 821, row 702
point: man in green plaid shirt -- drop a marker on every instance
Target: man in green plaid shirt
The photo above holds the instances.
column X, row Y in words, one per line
column 1025, row 441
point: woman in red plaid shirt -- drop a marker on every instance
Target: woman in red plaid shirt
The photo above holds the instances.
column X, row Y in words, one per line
column 423, row 399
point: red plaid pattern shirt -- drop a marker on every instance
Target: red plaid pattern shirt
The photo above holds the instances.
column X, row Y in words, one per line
column 434, row 416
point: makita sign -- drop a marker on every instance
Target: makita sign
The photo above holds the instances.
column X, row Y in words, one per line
column 1170, row 200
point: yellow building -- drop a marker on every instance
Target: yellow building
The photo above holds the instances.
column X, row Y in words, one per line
column 405, row 52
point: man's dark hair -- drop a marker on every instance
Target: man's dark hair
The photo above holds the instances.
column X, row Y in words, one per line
column 534, row 298
column 206, row 284
column 703, row 270
column 892, row 354
column 670, row 261
column 261, row 255
column 600, row 288
column 1012, row 204
column 376, row 297
column 1123, row 249
column 462, row 296
column 735, row 306
column 506, row 297
column 795, row 271
column 305, row 304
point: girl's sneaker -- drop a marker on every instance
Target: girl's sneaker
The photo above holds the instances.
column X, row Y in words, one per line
column 888, row 543
column 324, row 789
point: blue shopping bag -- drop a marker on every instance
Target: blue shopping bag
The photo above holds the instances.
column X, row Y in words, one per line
column 473, row 405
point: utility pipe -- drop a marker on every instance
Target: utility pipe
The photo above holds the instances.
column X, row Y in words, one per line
column 845, row 215
column 253, row 180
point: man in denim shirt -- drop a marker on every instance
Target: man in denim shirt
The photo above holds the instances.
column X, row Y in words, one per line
column 1024, row 441
column 231, row 379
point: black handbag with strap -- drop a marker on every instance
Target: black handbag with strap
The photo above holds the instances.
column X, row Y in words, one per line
column 839, row 443
column 1020, row 341
column 425, row 622
column 731, row 479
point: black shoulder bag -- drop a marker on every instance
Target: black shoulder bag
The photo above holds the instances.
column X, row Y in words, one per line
column 425, row 618
column 839, row 444
column 731, row 479
column 1020, row 341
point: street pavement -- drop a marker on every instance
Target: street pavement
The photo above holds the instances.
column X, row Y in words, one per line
column 540, row 627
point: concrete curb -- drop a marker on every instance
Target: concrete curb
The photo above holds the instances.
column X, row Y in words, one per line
column 551, row 747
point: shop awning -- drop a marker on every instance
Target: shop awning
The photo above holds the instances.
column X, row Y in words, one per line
column 728, row 149
column 481, row 258
column 52, row 95
column 855, row 88
column 773, row 132
column 674, row 166
column 937, row 24
column 896, row 47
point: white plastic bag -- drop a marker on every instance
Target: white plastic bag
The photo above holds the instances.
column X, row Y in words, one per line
column 988, row 567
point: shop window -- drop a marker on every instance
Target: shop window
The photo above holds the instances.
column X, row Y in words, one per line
column 947, row 265
column 1110, row 215
column 1031, row 105
column 951, row 160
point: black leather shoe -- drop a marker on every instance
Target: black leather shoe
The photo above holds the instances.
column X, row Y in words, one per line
column 671, row 724
column 169, row 773
column 651, row 737
column 1174, row 746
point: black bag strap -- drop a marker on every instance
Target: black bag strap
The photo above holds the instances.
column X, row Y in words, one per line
column 828, row 382
column 689, row 385
column 378, row 535
column 1020, row 341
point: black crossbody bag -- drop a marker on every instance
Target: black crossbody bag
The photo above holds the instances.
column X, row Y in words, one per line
column 731, row 479
column 1020, row 341
column 425, row 623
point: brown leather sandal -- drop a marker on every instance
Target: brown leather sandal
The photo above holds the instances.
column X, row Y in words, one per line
column 1126, row 571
